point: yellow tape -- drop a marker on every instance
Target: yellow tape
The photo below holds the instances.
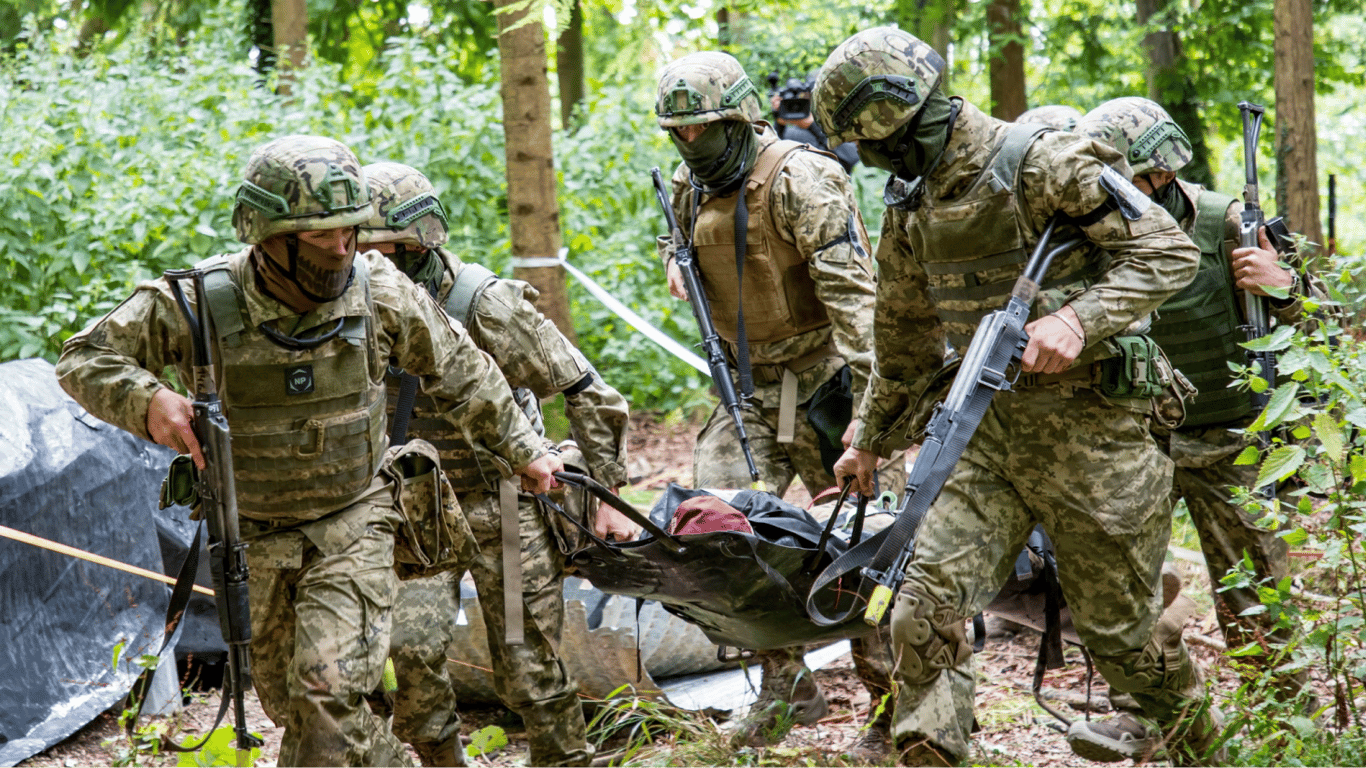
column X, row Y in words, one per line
column 390, row 676
column 91, row 557
column 877, row 605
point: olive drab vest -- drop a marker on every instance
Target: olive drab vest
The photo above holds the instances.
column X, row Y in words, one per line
column 307, row 424
column 779, row 293
column 1198, row 327
column 974, row 246
column 468, row 468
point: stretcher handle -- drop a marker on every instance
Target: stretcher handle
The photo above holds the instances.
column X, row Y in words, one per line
column 623, row 506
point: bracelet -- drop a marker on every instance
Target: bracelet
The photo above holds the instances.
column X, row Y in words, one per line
column 1070, row 327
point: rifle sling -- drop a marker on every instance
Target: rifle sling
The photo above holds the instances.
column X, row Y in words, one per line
column 403, row 411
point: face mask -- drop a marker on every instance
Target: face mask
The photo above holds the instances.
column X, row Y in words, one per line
column 721, row 155
column 305, row 275
column 910, row 151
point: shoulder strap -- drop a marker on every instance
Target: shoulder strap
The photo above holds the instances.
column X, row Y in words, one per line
column 224, row 306
column 771, row 158
column 353, row 328
column 1208, row 229
column 470, row 282
column 1005, row 166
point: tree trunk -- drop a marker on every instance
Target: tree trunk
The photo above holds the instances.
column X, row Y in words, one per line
column 931, row 21
column 1006, row 55
column 260, row 33
column 1170, row 87
column 533, row 213
column 1297, row 186
column 569, row 66
column 723, row 32
column 289, row 22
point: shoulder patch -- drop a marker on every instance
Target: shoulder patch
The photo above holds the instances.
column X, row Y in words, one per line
column 1132, row 203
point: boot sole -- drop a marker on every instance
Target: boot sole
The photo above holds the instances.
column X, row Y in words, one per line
column 1101, row 749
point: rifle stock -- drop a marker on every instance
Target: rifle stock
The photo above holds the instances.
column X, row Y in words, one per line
column 218, row 506
column 686, row 259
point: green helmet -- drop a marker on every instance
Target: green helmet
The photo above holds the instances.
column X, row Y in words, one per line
column 1058, row 116
column 704, row 88
column 1142, row 131
column 297, row 184
column 874, row 83
column 406, row 208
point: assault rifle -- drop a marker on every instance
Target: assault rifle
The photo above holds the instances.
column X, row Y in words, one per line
column 990, row 364
column 217, row 496
column 1256, row 311
column 686, row 259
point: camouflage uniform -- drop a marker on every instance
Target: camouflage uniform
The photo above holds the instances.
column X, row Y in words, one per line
column 1059, row 116
column 530, row 678
column 321, row 572
column 805, row 328
column 1050, row 451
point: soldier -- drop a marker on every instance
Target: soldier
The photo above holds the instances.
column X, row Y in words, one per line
column 317, row 515
column 967, row 200
column 409, row 227
column 1200, row 329
column 792, row 115
column 793, row 298
column 1059, row 116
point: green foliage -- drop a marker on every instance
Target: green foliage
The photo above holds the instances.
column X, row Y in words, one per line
column 219, row 749
column 625, row 728
column 486, row 741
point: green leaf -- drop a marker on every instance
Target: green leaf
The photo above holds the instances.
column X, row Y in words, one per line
column 1274, row 342
column 219, row 749
column 1248, row 457
column 1301, row 432
column 1280, row 464
column 1303, row 726
column 1326, row 427
column 1357, row 466
column 118, row 651
column 488, row 739
column 1251, row 649
column 1295, row 537
column 1281, row 404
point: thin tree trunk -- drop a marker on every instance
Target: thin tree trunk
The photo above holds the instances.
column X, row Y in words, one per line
column 533, row 212
column 931, row 21
column 289, row 22
column 1297, row 187
column 1006, row 57
column 723, row 31
column 1168, row 86
column 569, row 65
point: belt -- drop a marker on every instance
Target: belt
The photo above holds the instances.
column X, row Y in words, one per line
column 772, row 373
column 1083, row 375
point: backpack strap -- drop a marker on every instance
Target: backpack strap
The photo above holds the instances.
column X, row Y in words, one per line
column 224, row 306
column 470, row 283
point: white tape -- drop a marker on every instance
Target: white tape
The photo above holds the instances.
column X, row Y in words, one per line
column 535, row 262
column 629, row 315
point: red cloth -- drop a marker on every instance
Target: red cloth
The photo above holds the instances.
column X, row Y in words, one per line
column 707, row 514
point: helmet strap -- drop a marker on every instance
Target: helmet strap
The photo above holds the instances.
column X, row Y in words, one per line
column 908, row 194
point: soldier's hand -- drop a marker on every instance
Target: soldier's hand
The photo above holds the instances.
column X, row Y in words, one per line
column 676, row 287
column 612, row 525
column 170, row 422
column 1054, row 342
column 1256, row 267
column 861, row 465
column 539, row 475
column 848, row 437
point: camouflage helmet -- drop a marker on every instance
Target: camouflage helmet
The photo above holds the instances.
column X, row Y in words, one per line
column 874, row 83
column 406, row 208
column 1142, row 131
column 297, row 184
column 704, row 88
column 1059, row 116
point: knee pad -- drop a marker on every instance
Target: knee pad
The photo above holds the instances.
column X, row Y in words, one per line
column 928, row 637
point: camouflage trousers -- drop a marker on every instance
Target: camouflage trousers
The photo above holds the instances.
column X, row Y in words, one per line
column 1092, row 475
column 1204, row 474
column 530, row 679
column 321, row 600
column 719, row 462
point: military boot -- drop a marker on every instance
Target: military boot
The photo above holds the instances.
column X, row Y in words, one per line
column 788, row 696
column 555, row 732
column 450, row 752
column 874, row 745
column 1122, row 737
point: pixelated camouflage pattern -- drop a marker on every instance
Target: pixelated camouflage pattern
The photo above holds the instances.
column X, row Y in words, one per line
column 1091, row 474
column 320, row 180
column 1125, row 123
column 322, row 596
column 398, row 190
column 705, row 87
column 532, row 353
column 810, row 201
column 876, row 51
column 1059, row 116
column 1146, row 261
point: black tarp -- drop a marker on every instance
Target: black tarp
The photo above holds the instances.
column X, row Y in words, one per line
column 68, row 477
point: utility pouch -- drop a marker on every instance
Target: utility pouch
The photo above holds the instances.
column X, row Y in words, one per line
column 178, row 486
column 577, row 502
column 434, row 536
column 1135, row 372
column 829, row 412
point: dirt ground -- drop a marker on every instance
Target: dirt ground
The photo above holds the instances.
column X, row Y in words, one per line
column 1015, row 730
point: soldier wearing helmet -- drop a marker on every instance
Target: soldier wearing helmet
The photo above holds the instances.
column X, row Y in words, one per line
column 1199, row 328
column 967, row 199
column 793, row 119
column 409, row 226
column 1059, row 116
column 785, row 263
column 302, row 328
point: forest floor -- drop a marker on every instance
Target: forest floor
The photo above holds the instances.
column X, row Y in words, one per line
column 1014, row 729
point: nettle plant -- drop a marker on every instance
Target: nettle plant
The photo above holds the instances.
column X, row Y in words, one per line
column 1311, row 439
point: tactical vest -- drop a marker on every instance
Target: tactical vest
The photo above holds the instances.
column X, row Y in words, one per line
column 779, row 294
column 308, row 424
column 459, row 458
column 1198, row 327
column 973, row 247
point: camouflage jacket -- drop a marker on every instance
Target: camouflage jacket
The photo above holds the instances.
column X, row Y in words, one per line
column 812, row 199
column 1148, row 259
column 115, row 366
column 532, row 353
